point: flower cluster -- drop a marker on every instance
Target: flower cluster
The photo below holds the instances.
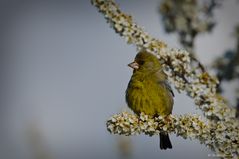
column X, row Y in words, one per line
column 193, row 79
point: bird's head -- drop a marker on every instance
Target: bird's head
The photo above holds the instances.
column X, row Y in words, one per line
column 145, row 61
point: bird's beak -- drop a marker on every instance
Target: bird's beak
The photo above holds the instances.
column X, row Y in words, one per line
column 134, row 65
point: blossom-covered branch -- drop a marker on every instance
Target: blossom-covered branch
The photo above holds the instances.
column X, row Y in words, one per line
column 212, row 134
column 198, row 84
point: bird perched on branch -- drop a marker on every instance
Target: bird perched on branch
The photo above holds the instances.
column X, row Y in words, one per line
column 149, row 92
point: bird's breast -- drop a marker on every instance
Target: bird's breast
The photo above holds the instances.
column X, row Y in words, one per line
column 149, row 97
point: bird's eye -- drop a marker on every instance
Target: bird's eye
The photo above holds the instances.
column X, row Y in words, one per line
column 141, row 62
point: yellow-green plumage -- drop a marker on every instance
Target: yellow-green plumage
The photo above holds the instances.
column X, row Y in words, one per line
column 148, row 90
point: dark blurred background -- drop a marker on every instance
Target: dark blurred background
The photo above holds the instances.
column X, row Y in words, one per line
column 64, row 73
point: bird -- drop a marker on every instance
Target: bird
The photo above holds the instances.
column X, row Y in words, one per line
column 149, row 92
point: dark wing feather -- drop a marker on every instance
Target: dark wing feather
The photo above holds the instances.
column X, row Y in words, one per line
column 166, row 84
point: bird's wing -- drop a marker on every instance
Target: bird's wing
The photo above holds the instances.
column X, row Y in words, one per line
column 167, row 86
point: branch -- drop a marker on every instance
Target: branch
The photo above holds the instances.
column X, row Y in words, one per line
column 221, row 137
column 185, row 126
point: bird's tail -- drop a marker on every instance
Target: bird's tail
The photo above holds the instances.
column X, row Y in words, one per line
column 165, row 142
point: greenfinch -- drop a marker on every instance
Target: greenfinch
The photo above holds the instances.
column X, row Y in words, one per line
column 149, row 92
